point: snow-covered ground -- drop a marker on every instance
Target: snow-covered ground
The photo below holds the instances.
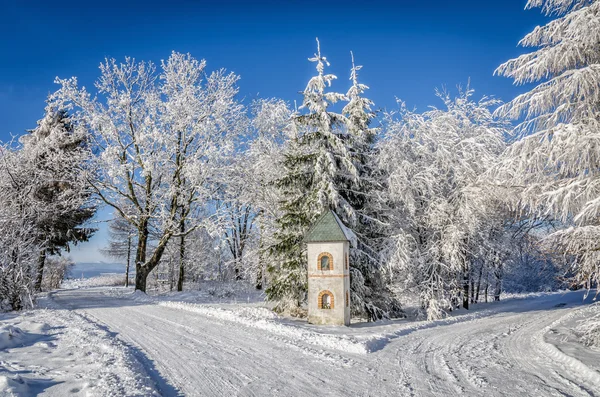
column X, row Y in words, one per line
column 61, row 353
column 108, row 341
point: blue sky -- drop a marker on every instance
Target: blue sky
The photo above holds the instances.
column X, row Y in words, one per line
column 408, row 48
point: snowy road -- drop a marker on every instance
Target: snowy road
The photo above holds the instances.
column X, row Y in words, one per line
column 497, row 350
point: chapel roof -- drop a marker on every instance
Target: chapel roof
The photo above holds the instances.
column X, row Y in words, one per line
column 328, row 228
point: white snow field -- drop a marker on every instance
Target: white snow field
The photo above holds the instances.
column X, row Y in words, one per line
column 109, row 342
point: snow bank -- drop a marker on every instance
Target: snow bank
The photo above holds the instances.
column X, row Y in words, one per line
column 10, row 337
column 60, row 352
column 265, row 319
column 359, row 340
column 590, row 328
column 527, row 295
column 558, row 341
column 13, row 386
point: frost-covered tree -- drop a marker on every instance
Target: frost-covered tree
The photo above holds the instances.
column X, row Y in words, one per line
column 436, row 203
column 327, row 166
column 556, row 163
column 121, row 243
column 54, row 155
column 161, row 139
column 236, row 220
column 272, row 129
column 370, row 294
column 315, row 162
column 18, row 242
column 55, row 271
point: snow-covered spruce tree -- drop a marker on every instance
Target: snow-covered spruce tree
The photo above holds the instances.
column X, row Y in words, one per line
column 556, row 163
column 370, row 294
column 56, row 154
column 435, row 206
column 161, row 140
column 314, row 162
column 322, row 170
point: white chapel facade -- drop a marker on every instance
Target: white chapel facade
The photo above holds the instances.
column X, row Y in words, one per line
column 328, row 248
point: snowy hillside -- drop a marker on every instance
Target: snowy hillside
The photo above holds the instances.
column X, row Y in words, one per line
column 107, row 341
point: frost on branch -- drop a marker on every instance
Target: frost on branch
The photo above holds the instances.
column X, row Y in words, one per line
column 442, row 220
column 162, row 139
column 556, row 163
column 325, row 167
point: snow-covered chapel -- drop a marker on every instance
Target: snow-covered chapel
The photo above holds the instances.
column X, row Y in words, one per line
column 328, row 248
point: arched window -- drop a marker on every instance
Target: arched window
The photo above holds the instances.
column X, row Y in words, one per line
column 325, row 300
column 347, row 260
column 325, row 261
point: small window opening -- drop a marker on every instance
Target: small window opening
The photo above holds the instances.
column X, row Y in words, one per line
column 325, row 300
column 326, row 303
column 324, row 263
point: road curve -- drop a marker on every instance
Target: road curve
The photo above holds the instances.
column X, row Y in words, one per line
column 502, row 353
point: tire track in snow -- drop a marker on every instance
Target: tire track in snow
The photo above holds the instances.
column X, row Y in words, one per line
column 206, row 357
column 501, row 354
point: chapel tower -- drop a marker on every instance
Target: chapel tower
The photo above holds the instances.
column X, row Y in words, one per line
column 328, row 248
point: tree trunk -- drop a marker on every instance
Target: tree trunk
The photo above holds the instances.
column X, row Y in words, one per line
column 466, row 283
column 171, row 274
column 479, row 282
column 261, row 256
column 487, row 285
column 259, row 278
column 472, row 290
column 498, row 286
column 40, row 270
column 141, row 274
column 146, row 266
column 238, row 273
column 141, row 271
column 128, row 261
column 181, row 256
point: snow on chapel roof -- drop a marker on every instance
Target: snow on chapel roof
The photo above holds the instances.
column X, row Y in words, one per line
column 329, row 228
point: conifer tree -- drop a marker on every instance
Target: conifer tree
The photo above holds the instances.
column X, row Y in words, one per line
column 327, row 166
column 315, row 162
column 370, row 295
column 556, row 160
column 55, row 154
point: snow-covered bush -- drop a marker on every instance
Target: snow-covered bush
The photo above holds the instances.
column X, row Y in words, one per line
column 55, row 270
column 590, row 329
column 222, row 291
